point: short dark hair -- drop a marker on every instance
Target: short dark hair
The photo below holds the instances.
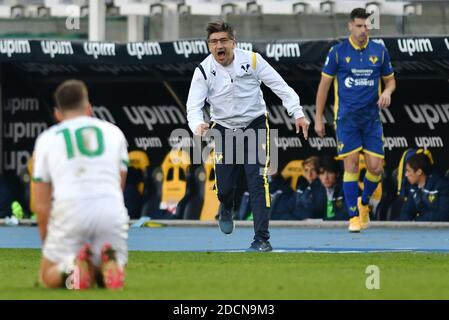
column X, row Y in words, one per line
column 359, row 13
column 220, row 26
column 329, row 164
column 71, row 95
column 420, row 161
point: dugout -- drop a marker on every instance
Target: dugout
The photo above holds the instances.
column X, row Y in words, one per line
column 142, row 87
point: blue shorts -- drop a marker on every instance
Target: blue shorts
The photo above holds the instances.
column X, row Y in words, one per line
column 355, row 135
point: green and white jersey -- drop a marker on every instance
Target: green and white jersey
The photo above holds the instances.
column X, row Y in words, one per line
column 81, row 158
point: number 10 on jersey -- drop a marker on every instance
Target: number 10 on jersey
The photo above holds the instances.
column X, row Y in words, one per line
column 81, row 140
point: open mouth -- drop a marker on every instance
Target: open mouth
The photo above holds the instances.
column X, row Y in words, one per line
column 221, row 54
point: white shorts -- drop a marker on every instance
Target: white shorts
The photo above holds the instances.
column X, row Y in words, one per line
column 96, row 221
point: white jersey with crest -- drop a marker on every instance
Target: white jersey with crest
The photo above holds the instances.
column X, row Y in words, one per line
column 82, row 159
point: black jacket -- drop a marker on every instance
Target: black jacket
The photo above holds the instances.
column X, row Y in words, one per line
column 431, row 203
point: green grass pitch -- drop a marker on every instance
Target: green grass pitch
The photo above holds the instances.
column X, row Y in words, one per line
column 203, row 275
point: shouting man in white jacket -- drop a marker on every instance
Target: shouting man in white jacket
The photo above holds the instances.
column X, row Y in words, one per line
column 229, row 81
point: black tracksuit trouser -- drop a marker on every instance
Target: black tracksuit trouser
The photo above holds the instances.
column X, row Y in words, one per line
column 233, row 156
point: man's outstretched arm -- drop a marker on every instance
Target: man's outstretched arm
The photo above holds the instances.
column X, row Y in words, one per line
column 290, row 100
column 321, row 98
column 385, row 98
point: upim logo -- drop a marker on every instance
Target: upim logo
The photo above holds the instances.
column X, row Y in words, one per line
column 10, row 47
column 103, row 113
column 429, row 142
column 395, row 142
column 20, row 130
column 154, row 115
column 429, row 114
column 386, row 116
column 187, row 48
column 54, row 48
column 415, row 45
column 99, row 49
column 148, row 142
column 14, row 105
column 284, row 50
column 320, row 143
column 278, row 115
column 288, row 142
column 16, row 160
column 140, row 49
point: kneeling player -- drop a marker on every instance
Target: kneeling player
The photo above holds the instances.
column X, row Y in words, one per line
column 79, row 171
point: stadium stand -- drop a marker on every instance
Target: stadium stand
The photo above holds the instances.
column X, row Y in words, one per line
column 292, row 172
column 158, row 20
column 167, row 186
column 134, row 186
column 5, row 198
column 282, row 19
column 206, row 179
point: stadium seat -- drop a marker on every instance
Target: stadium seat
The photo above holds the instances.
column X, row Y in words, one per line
column 174, row 170
column 292, row 172
column 139, row 160
column 167, row 187
column 189, row 207
column 134, row 186
column 5, row 199
column 152, row 192
column 200, row 201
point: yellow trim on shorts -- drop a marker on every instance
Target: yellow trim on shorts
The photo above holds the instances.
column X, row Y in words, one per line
column 377, row 155
column 344, row 155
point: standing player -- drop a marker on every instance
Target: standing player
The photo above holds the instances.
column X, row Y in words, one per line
column 356, row 66
column 229, row 79
column 78, row 175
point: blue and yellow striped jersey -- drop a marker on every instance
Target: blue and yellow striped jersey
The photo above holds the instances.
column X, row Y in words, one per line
column 357, row 72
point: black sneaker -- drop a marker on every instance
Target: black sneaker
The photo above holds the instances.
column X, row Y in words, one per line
column 260, row 246
column 226, row 221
